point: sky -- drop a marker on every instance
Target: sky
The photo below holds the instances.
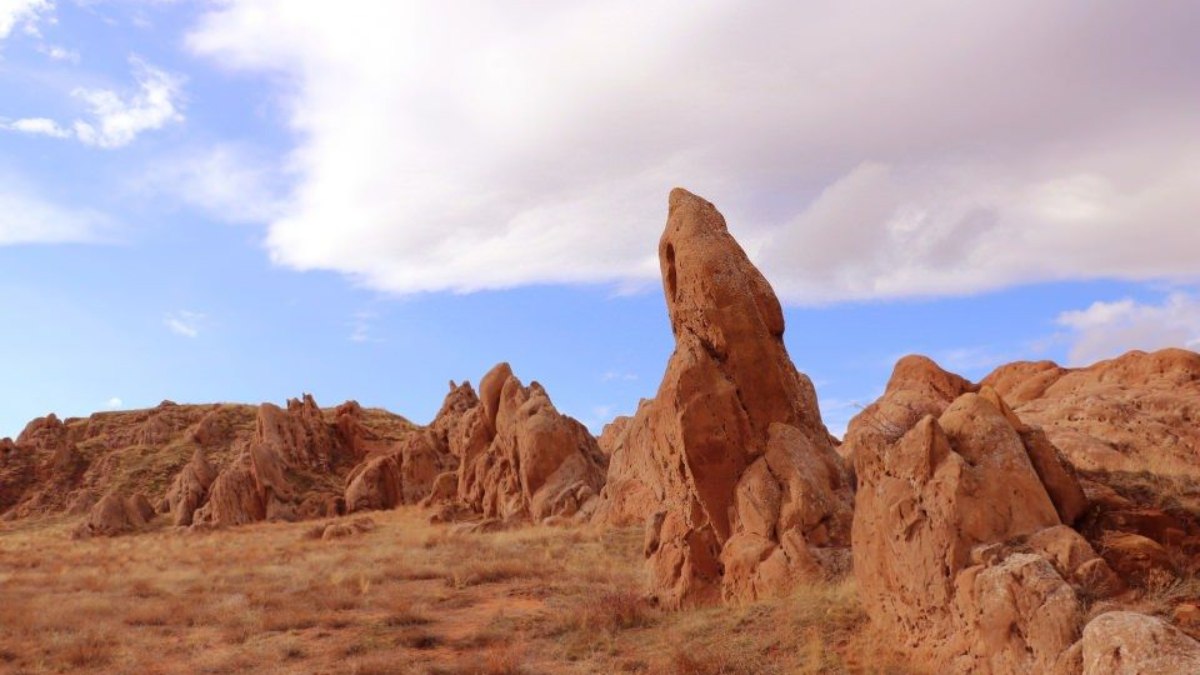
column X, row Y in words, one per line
column 245, row 200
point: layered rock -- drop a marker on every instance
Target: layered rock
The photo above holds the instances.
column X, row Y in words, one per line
column 959, row 549
column 520, row 459
column 729, row 464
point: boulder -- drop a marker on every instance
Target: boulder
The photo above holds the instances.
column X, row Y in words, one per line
column 730, row 461
column 233, row 499
column 114, row 515
column 1125, row 643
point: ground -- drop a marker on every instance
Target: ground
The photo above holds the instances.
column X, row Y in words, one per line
column 403, row 597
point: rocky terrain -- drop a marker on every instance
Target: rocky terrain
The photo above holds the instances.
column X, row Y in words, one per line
column 1044, row 519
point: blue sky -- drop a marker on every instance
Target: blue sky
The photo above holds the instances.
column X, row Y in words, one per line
column 250, row 199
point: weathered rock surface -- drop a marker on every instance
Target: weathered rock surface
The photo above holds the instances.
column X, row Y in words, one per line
column 190, row 489
column 114, row 515
column 404, row 474
column 963, row 545
column 1137, row 412
column 1125, row 643
column 520, row 458
column 229, row 463
column 959, row 548
column 406, row 470
column 729, row 463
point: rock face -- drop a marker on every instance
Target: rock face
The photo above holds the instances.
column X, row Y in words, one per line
column 289, row 447
column 190, row 489
column 405, row 471
column 966, row 550
column 1137, row 412
column 519, row 458
column 960, row 551
column 404, row 474
column 729, row 464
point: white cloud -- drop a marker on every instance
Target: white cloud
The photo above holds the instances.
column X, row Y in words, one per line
column 57, row 53
column 615, row 375
column 1108, row 329
column 361, row 327
column 226, row 180
column 184, row 323
column 24, row 13
column 861, row 149
column 114, row 403
column 115, row 120
column 37, row 126
column 26, row 217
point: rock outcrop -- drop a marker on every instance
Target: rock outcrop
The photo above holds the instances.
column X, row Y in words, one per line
column 403, row 474
column 960, row 550
column 405, row 471
column 114, row 515
column 520, row 459
column 965, row 547
column 1134, row 413
column 213, row 464
column 189, row 489
column 729, row 464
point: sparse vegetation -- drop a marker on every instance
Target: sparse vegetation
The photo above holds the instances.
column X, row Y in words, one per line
column 406, row 597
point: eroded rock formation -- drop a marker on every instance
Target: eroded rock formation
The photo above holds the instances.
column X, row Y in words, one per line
column 114, row 515
column 729, row 464
column 1134, row 413
column 956, row 537
column 521, row 459
column 964, row 549
column 213, row 464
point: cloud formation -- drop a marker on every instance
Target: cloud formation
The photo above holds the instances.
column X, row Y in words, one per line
column 184, row 323
column 25, row 13
column 115, row 120
column 226, row 180
column 1108, row 329
column 860, row 149
column 28, row 218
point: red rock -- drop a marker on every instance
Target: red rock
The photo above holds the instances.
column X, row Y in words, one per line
column 937, row 512
column 190, row 488
column 1134, row 413
column 699, row 452
column 1135, row 557
column 114, row 515
column 521, row 459
column 613, row 434
column 233, row 499
column 1125, row 643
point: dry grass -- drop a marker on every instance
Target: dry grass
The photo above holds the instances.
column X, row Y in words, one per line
column 406, row 597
